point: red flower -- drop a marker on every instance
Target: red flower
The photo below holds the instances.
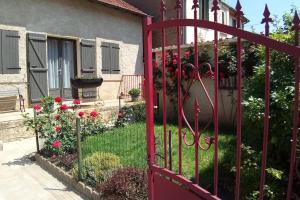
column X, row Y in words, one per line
column 174, row 62
column 57, row 117
column 175, row 55
column 81, row 114
column 170, row 69
column 120, row 115
column 93, row 114
column 187, row 54
column 57, row 129
column 56, row 144
column 76, row 101
column 37, row 108
column 64, row 107
column 58, row 99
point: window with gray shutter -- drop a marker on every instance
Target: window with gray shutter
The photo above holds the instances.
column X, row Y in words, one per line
column 110, row 58
column 10, row 52
column 88, row 65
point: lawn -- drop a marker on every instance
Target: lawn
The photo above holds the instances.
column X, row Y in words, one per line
column 129, row 144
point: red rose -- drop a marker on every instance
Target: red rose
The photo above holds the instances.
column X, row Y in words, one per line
column 120, row 115
column 76, row 101
column 64, row 107
column 174, row 62
column 58, row 99
column 175, row 55
column 37, row 108
column 93, row 114
column 57, row 129
column 56, row 144
column 81, row 114
column 57, row 117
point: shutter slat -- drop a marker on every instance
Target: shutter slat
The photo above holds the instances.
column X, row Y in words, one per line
column 106, row 60
column 10, row 52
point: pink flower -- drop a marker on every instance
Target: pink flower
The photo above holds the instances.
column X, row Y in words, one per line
column 64, row 107
column 37, row 108
column 93, row 114
column 57, row 117
column 174, row 61
column 76, row 101
column 56, row 144
column 57, row 129
column 80, row 114
column 58, row 99
column 175, row 55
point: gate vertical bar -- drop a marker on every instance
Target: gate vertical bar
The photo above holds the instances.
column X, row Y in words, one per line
column 215, row 9
column 196, row 138
column 163, row 42
column 239, row 13
column 296, row 28
column 178, row 8
column 149, row 104
column 266, row 20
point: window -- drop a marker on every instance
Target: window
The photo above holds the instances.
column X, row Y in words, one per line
column 204, row 9
column 234, row 23
column 223, row 18
column 9, row 52
column 110, row 58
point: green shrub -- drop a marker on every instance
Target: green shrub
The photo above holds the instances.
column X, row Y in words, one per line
column 125, row 184
column 98, row 167
column 135, row 92
column 131, row 114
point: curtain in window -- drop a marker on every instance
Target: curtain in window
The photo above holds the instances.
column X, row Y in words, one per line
column 53, row 64
column 67, row 62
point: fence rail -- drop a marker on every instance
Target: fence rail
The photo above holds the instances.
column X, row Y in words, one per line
column 130, row 82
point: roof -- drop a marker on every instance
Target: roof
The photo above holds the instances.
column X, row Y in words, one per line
column 122, row 5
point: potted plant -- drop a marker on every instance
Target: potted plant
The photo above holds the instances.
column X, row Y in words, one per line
column 134, row 93
column 86, row 82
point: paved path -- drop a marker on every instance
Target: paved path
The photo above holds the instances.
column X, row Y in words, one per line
column 20, row 178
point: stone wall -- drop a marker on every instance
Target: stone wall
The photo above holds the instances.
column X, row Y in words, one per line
column 13, row 130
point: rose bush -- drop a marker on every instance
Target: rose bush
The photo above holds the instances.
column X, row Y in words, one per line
column 55, row 123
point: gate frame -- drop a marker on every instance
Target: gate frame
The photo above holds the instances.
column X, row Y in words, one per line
column 267, row 42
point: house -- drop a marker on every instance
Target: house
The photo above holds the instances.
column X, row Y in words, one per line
column 46, row 43
column 226, row 16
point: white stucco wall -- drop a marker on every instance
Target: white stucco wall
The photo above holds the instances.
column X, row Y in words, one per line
column 205, row 35
column 75, row 19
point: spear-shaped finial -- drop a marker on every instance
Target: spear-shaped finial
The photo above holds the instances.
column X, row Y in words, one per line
column 178, row 4
column 296, row 22
column 195, row 5
column 238, row 9
column 216, row 6
column 267, row 19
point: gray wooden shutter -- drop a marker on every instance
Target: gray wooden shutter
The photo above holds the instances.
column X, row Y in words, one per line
column 37, row 66
column 10, row 52
column 88, row 65
column 115, row 68
column 106, row 58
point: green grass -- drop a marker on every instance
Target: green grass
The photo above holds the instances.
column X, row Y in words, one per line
column 129, row 143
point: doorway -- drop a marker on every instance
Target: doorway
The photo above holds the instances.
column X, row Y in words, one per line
column 61, row 67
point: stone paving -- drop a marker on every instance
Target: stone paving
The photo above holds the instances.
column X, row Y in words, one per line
column 21, row 178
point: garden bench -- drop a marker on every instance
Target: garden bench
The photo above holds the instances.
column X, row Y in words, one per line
column 8, row 100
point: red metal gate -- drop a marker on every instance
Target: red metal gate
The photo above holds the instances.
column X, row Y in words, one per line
column 166, row 184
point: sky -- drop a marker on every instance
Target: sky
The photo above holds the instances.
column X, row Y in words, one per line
column 253, row 10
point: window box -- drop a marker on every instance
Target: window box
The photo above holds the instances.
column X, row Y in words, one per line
column 86, row 82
